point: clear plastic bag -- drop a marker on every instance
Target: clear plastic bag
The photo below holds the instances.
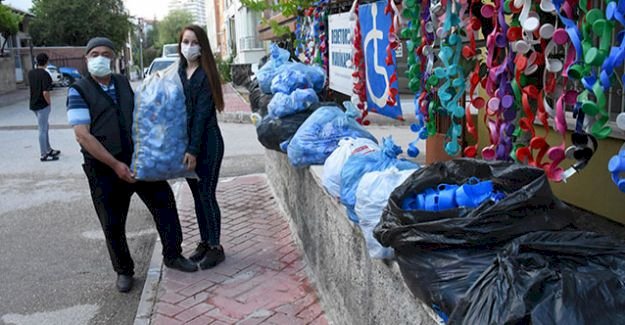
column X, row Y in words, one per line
column 372, row 196
column 358, row 165
column 287, row 81
column 159, row 128
column 333, row 166
column 266, row 74
column 320, row 134
column 291, row 76
column 282, row 105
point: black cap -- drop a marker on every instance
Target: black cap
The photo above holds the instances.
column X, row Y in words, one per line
column 99, row 41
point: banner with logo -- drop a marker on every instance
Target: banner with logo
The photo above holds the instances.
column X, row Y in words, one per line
column 375, row 26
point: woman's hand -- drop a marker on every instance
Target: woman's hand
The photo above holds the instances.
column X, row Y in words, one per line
column 189, row 161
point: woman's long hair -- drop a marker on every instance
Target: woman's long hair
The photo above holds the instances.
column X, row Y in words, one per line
column 207, row 62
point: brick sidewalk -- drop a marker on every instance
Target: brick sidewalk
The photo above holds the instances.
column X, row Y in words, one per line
column 233, row 100
column 263, row 279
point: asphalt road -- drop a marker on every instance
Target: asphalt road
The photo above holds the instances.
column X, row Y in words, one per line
column 54, row 266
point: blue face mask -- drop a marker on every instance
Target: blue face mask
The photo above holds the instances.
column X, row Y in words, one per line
column 99, row 66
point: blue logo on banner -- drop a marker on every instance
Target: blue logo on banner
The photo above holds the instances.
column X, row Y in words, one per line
column 374, row 26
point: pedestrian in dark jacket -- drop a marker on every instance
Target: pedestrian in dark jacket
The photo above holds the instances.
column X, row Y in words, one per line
column 202, row 88
column 100, row 109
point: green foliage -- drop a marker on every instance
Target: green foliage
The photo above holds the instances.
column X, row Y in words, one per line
column 288, row 8
column 9, row 25
column 169, row 28
column 223, row 66
column 74, row 22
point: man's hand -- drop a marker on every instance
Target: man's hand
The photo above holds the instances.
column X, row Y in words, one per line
column 190, row 161
column 123, row 172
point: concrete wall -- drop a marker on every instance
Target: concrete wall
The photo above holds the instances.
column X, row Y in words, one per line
column 353, row 288
column 7, row 74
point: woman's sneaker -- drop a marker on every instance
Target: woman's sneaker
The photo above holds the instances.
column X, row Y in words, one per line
column 213, row 256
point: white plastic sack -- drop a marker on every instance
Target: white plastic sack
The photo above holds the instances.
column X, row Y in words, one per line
column 372, row 196
column 159, row 128
column 331, row 178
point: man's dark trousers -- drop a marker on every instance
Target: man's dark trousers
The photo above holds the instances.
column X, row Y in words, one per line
column 111, row 198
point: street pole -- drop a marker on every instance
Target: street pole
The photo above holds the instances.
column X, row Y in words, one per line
column 141, row 55
column 141, row 46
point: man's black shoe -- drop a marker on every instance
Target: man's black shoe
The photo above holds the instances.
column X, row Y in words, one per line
column 181, row 264
column 124, row 282
column 199, row 252
column 214, row 256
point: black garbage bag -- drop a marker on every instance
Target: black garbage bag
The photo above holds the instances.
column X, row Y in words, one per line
column 272, row 131
column 253, row 84
column 563, row 277
column 441, row 254
column 263, row 103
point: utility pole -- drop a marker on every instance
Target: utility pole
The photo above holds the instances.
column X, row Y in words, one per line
column 141, row 46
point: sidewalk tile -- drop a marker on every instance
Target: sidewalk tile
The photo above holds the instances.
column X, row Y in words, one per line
column 262, row 280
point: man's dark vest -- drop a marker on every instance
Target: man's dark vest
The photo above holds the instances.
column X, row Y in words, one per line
column 111, row 123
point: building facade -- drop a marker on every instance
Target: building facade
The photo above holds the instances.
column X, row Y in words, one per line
column 240, row 34
column 197, row 8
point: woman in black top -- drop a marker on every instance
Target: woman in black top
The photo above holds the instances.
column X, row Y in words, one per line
column 204, row 97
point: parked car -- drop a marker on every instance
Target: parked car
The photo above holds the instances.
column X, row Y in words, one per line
column 161, row 64
column 170, row 50
column 54, row 74
column 69, row 75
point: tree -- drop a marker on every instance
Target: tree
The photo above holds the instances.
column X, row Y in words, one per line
column 288, row 8
column 169, row 29
column 74, row 22
column 9, row 25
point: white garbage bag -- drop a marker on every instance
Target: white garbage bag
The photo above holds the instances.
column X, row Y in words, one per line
column 334, row 164
column 372, row 196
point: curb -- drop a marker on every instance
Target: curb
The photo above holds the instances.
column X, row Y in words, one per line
column 153, row 277
column 235, row 117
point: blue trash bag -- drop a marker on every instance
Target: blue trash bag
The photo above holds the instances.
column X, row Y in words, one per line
column 286, row 81
column 282, row 105
column 266, row 74
column 358, row 165
column 159, row 128
column 320, row 134
column 293, row 76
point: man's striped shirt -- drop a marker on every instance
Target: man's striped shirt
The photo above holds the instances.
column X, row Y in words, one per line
column 77, row 108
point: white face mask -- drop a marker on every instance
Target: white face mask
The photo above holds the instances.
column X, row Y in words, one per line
column 99, row 66
column 190, row 52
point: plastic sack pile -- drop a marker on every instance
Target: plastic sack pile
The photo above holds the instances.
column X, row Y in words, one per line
column 372, row 195
column 358, row 165
column 333, row 166
column 282, row 104
column 320, row 134
column 160, row 128
column 519, row 259
column 266, row 74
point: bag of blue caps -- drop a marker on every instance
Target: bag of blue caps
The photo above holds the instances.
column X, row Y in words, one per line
column 357, row 166
column 159, row 128
column 265, row 75
column 291, row 76
column 283, row 105
column 320, row 134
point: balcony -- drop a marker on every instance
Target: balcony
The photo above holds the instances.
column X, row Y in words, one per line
column 250, row 43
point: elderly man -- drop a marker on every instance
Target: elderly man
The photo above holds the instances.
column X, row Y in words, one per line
column 100, row 109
